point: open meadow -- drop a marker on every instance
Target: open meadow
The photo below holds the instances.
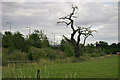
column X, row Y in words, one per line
column 99, row 68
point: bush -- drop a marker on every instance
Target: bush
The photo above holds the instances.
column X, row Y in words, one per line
column 62, row 55
column 5, row 51
column 52, row 54
column 68, row 49
column 36, row 53
column 102, row 54
column 4, row 63
column 17, row 55
column 5, row 54
column 95, row 55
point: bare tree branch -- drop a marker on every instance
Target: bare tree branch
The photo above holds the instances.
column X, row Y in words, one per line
column 64, row 22
column 88, row 32
column 74, row 16
column 67, row 39
column 69, row 17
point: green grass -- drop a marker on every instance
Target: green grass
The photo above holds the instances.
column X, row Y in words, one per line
column 98, row 68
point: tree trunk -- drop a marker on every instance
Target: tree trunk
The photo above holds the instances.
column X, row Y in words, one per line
column 76, row 51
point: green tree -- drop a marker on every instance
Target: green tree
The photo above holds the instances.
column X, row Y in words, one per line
column 36, row 53
column 44, row 40
column 114, row 48
column 62, row 44
column 118, row 47
column 38, row 39
column 7, row 41
column 103, row 45
column 19, row 42
column 14, row 41
column 34, row 39
column 67, row 48
column 45, row 43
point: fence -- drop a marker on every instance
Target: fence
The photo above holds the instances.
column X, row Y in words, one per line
column 20, row 61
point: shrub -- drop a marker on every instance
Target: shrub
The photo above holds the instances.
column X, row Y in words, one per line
column 68, row 49
column 52, row 54
column 5, row 51
column 4, row 63
column 36, row 53
column 95, row 55
column 17, row 55
column 100, row 52
column 62, row 55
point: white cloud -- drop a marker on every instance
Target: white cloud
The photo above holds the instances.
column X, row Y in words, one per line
column 44, row 15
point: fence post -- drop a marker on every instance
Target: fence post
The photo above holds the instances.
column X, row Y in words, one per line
column 38, row 74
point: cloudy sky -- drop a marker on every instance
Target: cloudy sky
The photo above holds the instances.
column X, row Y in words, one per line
column 102, row 16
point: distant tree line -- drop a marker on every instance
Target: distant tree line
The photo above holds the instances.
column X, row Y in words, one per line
column 16, row 41
column 36, row 46
column 100, row 48
column 15, row 46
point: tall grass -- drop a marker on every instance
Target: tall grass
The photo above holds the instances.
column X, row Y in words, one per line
column 103, row 67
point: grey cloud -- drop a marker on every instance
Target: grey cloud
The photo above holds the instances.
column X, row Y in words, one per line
column 44, row 15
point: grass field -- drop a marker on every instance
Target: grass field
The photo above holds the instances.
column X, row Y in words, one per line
column 99, row 68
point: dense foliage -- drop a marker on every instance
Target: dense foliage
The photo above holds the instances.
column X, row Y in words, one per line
column 38, row 39
column 100, row 48
column 14, row 41
column 36, row 46
column 67, row 48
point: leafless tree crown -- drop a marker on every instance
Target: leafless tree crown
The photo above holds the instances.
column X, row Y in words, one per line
column 68, row 20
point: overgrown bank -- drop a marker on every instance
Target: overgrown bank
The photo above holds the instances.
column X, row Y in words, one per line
column 36, row 47
column 98, row 68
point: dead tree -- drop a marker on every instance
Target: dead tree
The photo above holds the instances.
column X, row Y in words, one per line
column 87, row 32
column 68, row 20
